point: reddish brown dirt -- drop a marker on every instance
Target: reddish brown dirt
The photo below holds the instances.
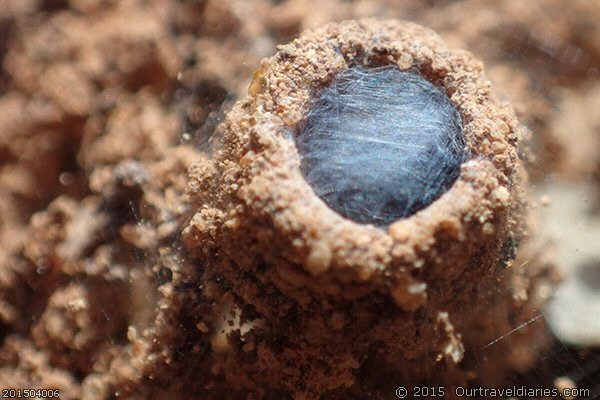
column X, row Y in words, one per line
column 105, row 105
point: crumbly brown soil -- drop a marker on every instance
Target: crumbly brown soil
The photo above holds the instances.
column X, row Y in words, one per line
column 338, row 295
column 106, row 104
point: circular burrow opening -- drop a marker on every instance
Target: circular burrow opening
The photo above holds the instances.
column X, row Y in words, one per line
column 380, row 144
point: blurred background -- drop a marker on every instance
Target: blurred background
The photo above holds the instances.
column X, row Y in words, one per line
column 104, row 104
